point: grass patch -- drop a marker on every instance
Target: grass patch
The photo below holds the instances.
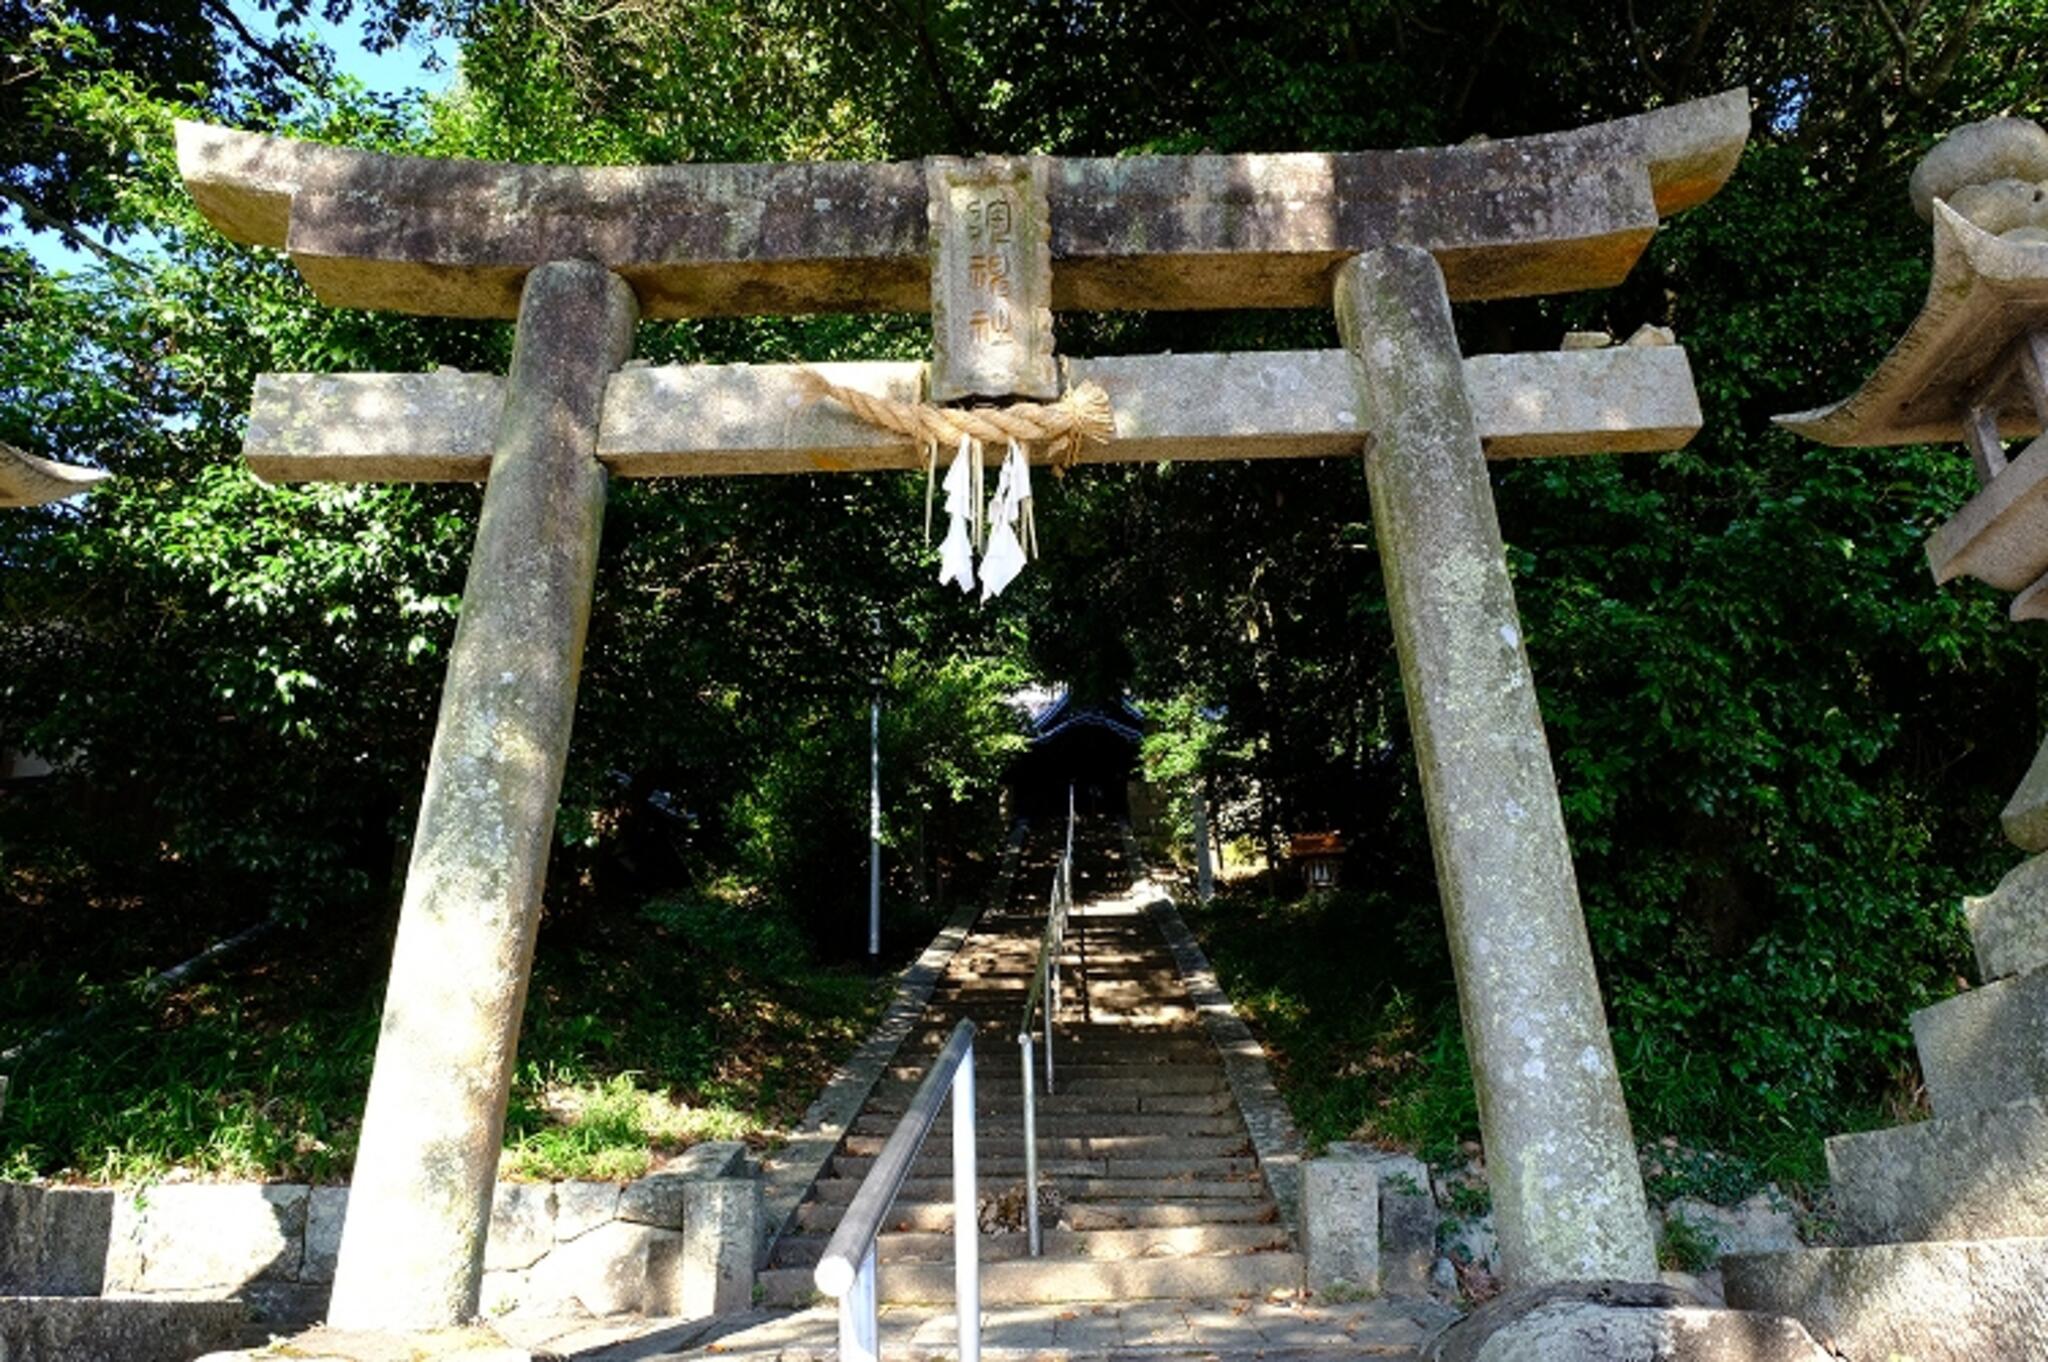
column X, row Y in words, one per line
column 1359, row 1050
column 696, row 1017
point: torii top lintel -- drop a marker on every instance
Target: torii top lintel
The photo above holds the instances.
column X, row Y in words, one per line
column 1544, row 214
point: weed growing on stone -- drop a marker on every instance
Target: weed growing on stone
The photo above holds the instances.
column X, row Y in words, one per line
column 1686, row 1247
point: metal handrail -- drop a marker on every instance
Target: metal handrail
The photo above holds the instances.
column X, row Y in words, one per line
column 847, row 1271
column 1045, row 988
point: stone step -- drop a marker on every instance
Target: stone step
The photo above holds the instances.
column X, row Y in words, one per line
column 1983, row 1175
column 897, row 1100
column 2009, row 925
column 1181, row 1188
column 1048, row 1280
column 130, row 1328
column 1223, row 1126
column 932, row 1216
column 1083, row 1078
column 992, row 1167
column 1957, row 1301
column 1986, row 1047
column 1102, row 1147
column 804, row 1250
column 1067, row 1049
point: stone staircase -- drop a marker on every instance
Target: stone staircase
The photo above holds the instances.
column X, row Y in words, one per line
column 1160, row 1193
column 1945, row 1222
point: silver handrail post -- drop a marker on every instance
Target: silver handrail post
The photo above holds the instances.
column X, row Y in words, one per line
column 1030, row 1142
column 1048, row 1050
column 966, row 1224
column 847, row 1269
column 859, row 1326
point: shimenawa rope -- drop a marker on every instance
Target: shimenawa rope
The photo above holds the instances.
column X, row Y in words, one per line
column 1082, row 417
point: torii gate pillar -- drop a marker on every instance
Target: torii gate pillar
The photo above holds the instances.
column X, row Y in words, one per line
column 1567, row 1195
column 419, row 1210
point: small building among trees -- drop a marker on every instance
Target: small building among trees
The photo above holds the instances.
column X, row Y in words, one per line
column 1089, row 745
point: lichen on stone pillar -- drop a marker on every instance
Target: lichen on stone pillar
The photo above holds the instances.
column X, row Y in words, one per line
column 1567, row 1192
column 420, row 1206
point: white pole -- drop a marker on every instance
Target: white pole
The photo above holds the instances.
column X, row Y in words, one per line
column 966, row 1223
column 875, row 809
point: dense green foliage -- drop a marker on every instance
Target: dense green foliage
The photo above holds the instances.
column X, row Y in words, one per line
column 693, row 1016
column 1781, row 749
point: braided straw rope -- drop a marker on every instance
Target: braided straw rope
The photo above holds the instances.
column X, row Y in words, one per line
column 1082, row 417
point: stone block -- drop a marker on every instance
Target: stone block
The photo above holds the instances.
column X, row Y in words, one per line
column 1340, row 1224
column 75, row 1240
column 721, row 1238
column 93, row 1329
column 1763, row 1223
column 21, row 1214
column 581, row 1207
column 615, row 1269
column 53, row 1240
column 522, row 1225
column 1408, row 1221
column 206, row 1238
column 1987, row 1047
column 2009, row 925
column 326, row 1209
column 1933, row 1302
column 282, row 1306
column 1617, row 1322
column 2025, row 818
column 1983, row 1175
column 656, row 1200
column 711, row 1159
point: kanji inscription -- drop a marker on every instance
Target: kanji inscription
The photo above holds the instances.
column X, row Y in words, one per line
column 991, row 280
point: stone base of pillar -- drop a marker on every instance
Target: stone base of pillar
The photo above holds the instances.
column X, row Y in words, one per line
column 1618, row 1322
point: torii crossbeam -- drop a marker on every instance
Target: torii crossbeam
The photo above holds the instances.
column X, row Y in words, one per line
column 577, row 254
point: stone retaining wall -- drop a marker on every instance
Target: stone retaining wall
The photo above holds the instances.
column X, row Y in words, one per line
column 680, row 1242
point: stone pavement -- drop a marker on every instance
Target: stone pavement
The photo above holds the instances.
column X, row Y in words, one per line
column 1138, row 1329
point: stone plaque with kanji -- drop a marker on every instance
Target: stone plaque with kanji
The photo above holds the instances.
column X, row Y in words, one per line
column 991, row 280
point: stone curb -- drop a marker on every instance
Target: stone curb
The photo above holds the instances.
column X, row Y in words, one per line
column 787, row 1175
column 1274, row 1137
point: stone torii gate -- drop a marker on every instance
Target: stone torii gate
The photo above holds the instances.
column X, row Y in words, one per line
column 578, row 254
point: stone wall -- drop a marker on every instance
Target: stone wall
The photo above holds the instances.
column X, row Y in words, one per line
column 1375, row 1222
column 680, row 1242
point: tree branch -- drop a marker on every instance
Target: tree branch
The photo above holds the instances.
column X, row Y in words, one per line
column 1643, row 58
column 1694, row 45
column 1472, row 71
column 1945, row 60
column 274, row 53
column 33, row 214
column 965, row 135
